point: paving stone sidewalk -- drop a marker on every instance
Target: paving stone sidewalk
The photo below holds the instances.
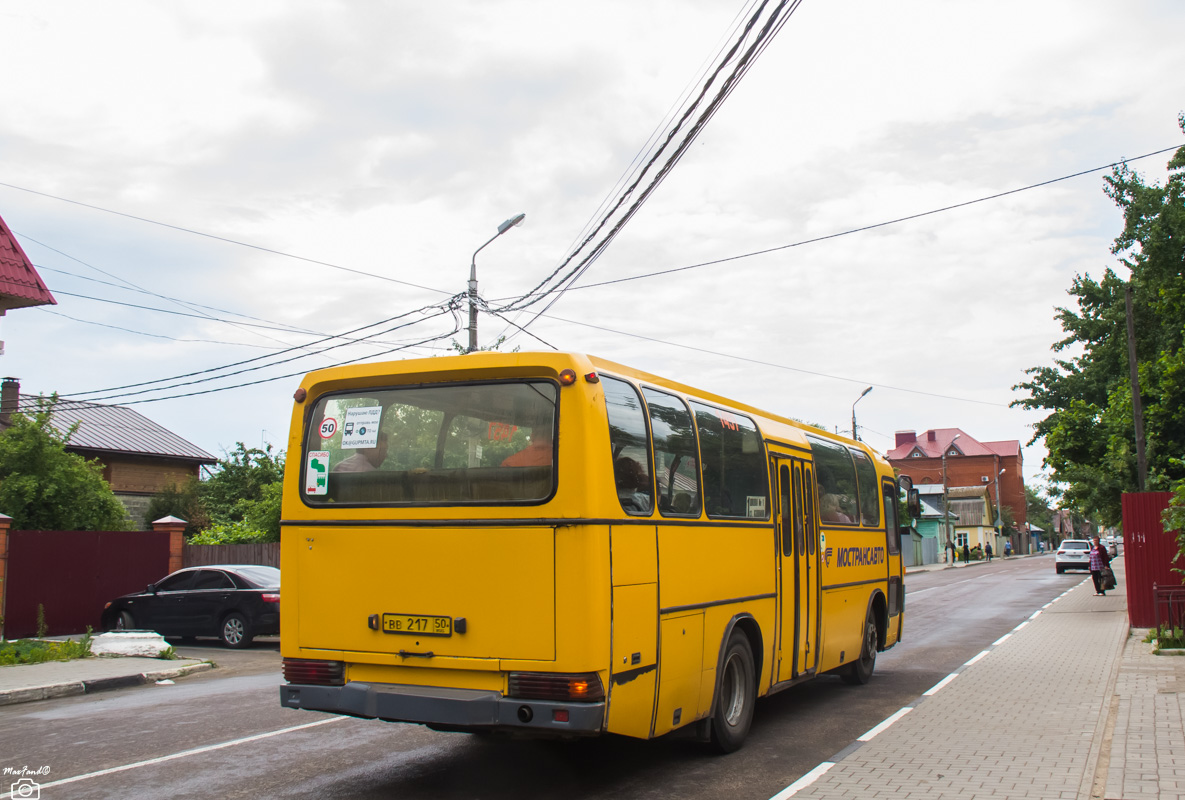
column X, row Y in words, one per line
column 1069, row 705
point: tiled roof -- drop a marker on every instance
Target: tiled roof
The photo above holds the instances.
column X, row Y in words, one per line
column 944, row 438
column 118, row 429
column 20, row 285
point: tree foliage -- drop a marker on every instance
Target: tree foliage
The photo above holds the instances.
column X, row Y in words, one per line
column 44, row 487
column 239, row 502
column 1090, row 434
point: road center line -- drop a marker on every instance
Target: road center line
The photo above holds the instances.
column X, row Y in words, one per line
column 185, row 753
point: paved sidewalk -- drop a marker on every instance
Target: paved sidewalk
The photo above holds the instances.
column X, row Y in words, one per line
column 1069, row 705
column 26, row 682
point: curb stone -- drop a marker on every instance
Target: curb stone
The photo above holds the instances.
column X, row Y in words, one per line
column 14, row 696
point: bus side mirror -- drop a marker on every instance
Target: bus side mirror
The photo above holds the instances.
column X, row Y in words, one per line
column 913, row 503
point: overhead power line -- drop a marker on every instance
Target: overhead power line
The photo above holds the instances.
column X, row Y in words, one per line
column 223, row 239
column 870, row 227
column 734, row 357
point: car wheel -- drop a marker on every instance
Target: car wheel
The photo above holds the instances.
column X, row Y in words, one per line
column 859, row 671
column 235, row 632
column 1060, row 569
column 124, row 622
column 736, row 693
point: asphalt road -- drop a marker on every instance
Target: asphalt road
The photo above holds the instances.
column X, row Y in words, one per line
column 224, row 734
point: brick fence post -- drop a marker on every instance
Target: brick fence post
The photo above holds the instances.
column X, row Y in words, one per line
column 176, row 529
column 5, row 522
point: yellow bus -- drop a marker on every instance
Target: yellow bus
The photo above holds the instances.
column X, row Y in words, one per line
column 555, row 544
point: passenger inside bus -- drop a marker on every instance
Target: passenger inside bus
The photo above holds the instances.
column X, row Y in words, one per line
column 366, row 460
column 535, row 454
column 633, row 485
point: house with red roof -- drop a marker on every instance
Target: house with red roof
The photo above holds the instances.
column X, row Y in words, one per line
column 20, row 285
column 954, row 458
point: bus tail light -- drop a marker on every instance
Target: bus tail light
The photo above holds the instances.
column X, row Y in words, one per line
column 584, row 687
column 314, row 672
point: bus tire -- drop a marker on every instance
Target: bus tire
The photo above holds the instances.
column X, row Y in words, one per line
column 859, row 672
column 736, row 693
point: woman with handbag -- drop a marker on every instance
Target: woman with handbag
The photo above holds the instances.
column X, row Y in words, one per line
column 1100, row 560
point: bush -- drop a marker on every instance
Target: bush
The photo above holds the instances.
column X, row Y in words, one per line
column 36, row 651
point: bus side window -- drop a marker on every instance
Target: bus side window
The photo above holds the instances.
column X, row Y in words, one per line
column 889, row 491
column 629, row 447
column 836, row 474
column 809, row 509
column 675, row 456
column 736, row 474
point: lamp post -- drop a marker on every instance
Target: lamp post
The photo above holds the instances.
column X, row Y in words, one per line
column 950, row 545
column 999, row 518
column 505, row 226
column 858, row 399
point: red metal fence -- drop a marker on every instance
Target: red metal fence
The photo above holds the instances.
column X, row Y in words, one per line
column 71, row 574
column 1148, row 554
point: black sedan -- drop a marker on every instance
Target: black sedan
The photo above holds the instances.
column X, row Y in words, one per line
column 235, row 602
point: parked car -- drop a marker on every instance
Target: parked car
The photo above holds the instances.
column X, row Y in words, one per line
column 1072, row 554
column 1112, row 546
column 235, row 602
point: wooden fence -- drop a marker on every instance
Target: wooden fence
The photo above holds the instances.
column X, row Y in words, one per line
column 267, row 554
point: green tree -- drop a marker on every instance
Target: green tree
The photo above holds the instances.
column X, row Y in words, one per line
column 238, row 502
column 43, row 487
column 1089, row 434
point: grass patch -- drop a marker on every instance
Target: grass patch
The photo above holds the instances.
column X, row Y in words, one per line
column 38, row 651
column 1167, row 638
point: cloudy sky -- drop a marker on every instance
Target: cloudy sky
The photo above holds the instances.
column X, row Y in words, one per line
column 265, row 174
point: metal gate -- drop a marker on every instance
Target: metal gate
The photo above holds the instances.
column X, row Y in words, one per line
column 1148, row 554
column 71, row 574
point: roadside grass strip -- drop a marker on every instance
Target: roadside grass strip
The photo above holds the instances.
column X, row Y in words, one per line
column 805, row 781
column 183, row 754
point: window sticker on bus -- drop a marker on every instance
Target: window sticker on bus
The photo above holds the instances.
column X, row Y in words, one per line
column 729, row 421
column 328, row 428
column 361, row 430
column 501, row 431
column 317, row 472
column 755, row 506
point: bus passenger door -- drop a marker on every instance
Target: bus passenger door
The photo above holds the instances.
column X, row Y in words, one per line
column 799, row 570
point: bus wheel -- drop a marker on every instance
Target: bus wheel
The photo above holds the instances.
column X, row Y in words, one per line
column 859, row 671
column 736, row 693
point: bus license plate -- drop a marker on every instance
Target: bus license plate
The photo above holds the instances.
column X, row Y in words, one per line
column 418, row 624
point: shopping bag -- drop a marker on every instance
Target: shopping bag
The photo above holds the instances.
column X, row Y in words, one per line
column 1108, row 578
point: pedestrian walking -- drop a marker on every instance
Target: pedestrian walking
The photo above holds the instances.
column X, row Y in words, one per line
column 1100, row 560
column 966, row 554
column 987, row 551
column 1007, row 549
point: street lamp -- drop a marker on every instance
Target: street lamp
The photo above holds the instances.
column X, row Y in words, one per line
column 950, row 545
column 858, row 399
column 505, row 226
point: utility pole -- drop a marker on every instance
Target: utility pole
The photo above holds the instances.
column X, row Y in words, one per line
column 1137, row 408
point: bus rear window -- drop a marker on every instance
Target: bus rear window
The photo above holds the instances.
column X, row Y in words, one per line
column 483, row 444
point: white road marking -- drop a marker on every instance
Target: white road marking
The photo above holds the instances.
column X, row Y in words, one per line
column 805, row 781
column 999, row 641
column 972, row 661
column 933, row 690
column 1018, row 627
column 183, row 754
column 889, row 721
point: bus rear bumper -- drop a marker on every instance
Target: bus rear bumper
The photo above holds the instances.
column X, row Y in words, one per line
column 455, row 709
